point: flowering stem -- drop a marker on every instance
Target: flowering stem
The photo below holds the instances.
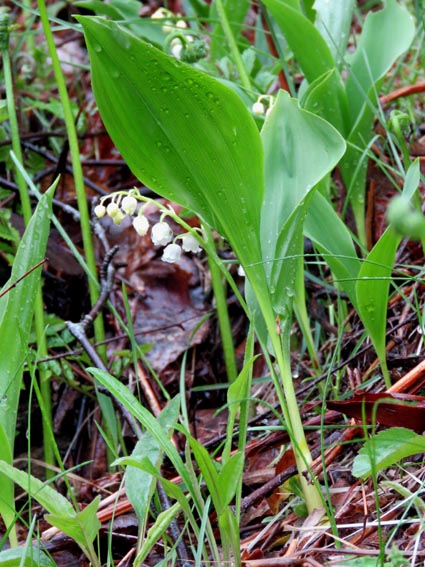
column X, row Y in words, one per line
column 285, row 392
column 232, row 45
column 222, row 312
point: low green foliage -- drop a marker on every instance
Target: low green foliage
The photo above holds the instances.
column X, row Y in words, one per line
column 386, row 449
column 16, row 314
column 349, row 106
column 82, row 527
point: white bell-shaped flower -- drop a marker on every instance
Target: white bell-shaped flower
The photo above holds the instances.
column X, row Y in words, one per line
column 172, row 253
column 190, row 244
column 112, row 209
column 100, row 211
column 258, row 108
column 161, row 234
column 141, row 225
column 129, row 204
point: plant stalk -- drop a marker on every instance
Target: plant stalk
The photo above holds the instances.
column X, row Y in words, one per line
column 232, row 45
column 222, row 312
column 77, row 170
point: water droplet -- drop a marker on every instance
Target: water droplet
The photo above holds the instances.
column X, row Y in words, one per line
column 97, row 48
column 115, row 74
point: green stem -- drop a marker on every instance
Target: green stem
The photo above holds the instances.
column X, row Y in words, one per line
column 232, row 45
column 27, row 213
column 77, row 169
column 288, row 399
column 222, row 312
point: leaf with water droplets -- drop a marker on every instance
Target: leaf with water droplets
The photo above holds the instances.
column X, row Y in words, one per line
column 191, row 128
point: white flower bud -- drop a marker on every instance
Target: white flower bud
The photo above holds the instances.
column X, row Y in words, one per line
column 161, row 234
column 141, row 225
column 176, row 48
column 181, row 24
column 258, row 108
column 190, row 244
column 241, row 271
column 171, row 253
column 129, row 204
column 112, row 209
column 160, row 14
column 100, row 211
column 118, row 217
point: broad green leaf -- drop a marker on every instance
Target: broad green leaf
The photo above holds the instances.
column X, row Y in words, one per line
column 372, row 291
column 45, row 495
column 413, row 177
column 333, row 239
column 326, row 97
column 386, row 35
column 82, row 527
column 289, row 135
column 386, row 449
column 333, row 20
column 184, row 134
column 306, row 42
column 404, row 219
column 229, row 478
column 16, row 314
column 24, row 557
column 373, row 285
column 127, row 12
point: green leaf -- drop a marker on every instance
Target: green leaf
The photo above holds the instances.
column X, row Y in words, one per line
column 386, row 449
column 333, row 20
column 45, row 495
column 333, row 239
column 372, row 291
column 386, row 35
column 306, row 42
column 326, row 97
column 156, row 531
column 24, row 557
column 229, row 478
column 289, row 134
column 122, row 394
column 82, row 527
column 140, row 484
column 207, row 466
column 16, row 314
column 184, row 134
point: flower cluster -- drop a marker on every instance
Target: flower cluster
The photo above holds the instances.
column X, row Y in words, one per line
column 122, row 205
column 263, row 105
